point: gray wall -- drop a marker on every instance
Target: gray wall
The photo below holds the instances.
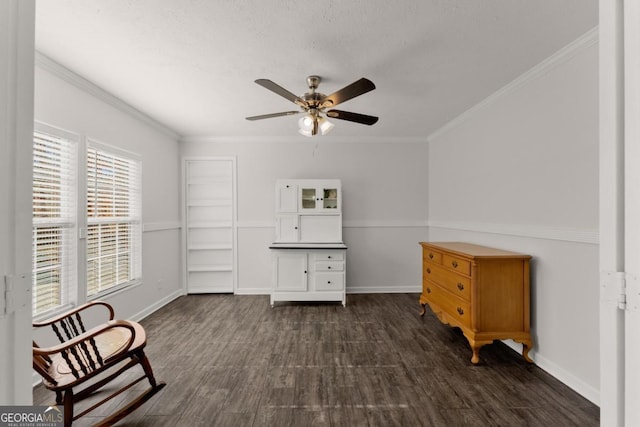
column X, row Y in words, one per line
column 520, row 172
column 384, row 204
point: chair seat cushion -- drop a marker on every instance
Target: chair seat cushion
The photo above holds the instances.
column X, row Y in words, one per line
column 109, row 343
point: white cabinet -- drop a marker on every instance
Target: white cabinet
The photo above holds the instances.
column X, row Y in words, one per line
column 308, row 210
column 309, row 274
column 309, row 257
column 209, row 225
column 287, row 197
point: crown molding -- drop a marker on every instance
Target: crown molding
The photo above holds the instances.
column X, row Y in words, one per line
column 298, row 139
column 47, row 64
column 530, row 231
column 569, row 51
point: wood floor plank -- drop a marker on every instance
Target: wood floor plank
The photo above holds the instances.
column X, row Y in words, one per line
column 235, row 361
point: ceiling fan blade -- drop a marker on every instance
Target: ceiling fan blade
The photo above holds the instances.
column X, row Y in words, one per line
column 273, row 87
column 268, row 116
column 352, row 117
column 356, row 88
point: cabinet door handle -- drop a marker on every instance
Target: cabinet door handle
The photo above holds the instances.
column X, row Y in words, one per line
column 329, row 257
column 305, row 272
column 428, row 290
column 455, row 264
column 460, row 311
column 428, row 271
column 329, row 282
column 430, row 256
column 328, row 267
column 460, row 286
column 287, row 186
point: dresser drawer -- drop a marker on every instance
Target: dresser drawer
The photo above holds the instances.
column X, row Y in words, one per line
column 432, row 256
column 331, row 256
column 460, row 265
column 329, row 281
column 329, row 266
column 457, row 284
column 455, row 307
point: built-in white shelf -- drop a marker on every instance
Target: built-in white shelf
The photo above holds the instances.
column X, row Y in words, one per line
column 210, row 236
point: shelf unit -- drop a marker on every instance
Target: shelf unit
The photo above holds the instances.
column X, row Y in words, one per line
column 210, row 255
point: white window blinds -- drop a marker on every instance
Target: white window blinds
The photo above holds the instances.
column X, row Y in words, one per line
column 54, row 218
column 113, row 220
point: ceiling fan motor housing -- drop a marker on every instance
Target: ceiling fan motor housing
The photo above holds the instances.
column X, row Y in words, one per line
column 313, row 82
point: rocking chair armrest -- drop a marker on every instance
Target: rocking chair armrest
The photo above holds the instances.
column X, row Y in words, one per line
column 74, row 311
column 48, row 351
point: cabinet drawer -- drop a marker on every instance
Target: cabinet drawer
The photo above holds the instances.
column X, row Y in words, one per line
column 455, row 307
column 329, row 282
column 329, row 266
column 455, row 283
column 331, row 256
column 432, row 256
column 460, row 265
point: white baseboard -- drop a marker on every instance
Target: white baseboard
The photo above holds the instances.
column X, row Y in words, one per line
column 576, row 384
column 350, row 290
column 408, row 289
column 157, row 305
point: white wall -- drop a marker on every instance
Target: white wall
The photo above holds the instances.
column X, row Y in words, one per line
column 63, row 100
column 17, row 18
column 520, row 172
column 384, row 204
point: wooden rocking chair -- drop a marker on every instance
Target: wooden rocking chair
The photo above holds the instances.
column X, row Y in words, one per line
column 91, row 359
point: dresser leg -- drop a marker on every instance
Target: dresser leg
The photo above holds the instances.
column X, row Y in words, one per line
column 475, row 358
column 423, row 309
column 525, row 352
column 475, row 348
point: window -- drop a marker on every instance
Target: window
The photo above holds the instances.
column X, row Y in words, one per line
column 54, row 218
column 108, row 216
column 113, row 219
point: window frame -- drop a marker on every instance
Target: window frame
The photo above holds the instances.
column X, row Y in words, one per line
column 92, row 143
column 69, row 250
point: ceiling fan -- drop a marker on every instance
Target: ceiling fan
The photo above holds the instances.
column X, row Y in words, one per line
column 316, row 105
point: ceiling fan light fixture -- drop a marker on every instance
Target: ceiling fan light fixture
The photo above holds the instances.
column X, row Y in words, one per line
column 325, row 125
column 306, row 123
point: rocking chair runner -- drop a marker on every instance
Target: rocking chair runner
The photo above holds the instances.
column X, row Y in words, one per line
column 95, row 357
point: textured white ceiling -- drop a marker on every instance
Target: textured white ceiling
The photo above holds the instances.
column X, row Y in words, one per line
column 190, row 64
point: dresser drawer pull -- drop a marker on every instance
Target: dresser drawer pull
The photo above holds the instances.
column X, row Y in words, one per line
column 329, row 257
column 328, row 282
column 428, row 290
column 455, row 264
column 460, row 311
column 460, row 286
column 328, row 267
column 428, row 271
column 430, row 255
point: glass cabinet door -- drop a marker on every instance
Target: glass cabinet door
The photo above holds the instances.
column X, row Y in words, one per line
column 330, row 198
column 308, row 198
column 319, row 198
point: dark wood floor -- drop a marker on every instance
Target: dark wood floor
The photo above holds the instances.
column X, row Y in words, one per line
column 235, row 361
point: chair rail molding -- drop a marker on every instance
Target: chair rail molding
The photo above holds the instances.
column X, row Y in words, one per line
column 532, row 231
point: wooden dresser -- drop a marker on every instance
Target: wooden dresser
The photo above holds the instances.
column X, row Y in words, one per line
column 483, row 291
